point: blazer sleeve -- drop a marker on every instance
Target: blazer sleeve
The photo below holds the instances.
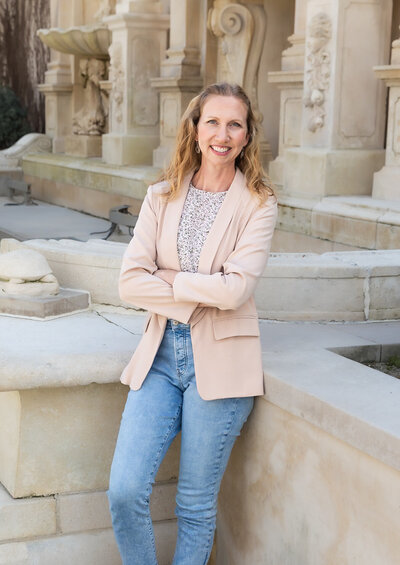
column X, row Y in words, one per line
column 236, row 282
column 137, row 283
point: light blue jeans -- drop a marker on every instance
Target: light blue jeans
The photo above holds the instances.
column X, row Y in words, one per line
column 166, row 403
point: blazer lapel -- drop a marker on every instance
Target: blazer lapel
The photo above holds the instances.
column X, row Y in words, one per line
column 221, row 222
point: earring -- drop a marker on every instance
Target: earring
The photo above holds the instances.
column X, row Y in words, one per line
column 242, row 153
column 197, row 147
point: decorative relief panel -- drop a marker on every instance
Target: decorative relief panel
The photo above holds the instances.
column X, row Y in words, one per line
column 318, row 69
column 91, row 118
column 145, row 65
column 117, row 78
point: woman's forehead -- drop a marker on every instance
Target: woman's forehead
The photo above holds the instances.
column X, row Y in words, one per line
column 224, row 106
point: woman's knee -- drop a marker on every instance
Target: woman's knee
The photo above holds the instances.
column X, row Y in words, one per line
column 129, row 495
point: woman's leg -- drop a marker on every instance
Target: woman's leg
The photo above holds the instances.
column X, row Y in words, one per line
column 209, row 430
column 150, row 421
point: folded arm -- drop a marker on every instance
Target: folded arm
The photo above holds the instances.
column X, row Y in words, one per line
column 138, row 284
column 230, row 288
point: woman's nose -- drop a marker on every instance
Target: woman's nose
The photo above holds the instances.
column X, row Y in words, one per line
column 222, row 133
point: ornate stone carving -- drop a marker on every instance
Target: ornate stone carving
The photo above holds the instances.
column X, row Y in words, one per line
column 117, row 78
column 318, row 68
column 106, row 8
column 29, row 143
column 91, row 118
column 241, row 32
column 26, row 272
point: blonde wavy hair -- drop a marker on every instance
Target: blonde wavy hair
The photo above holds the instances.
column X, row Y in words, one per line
column 186, row 159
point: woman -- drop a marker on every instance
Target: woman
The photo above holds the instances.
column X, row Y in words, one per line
column 201, row 242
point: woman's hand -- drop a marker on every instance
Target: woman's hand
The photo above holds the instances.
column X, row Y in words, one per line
column 167, row 275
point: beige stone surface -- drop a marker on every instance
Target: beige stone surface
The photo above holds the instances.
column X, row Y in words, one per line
column 83, row 145
column 292, row 493
column 45, row 307
column 90, row 510
column 129, row 149
column 82, row 511
column 91, row 173
column 313, row 172
column 59, row 440
column 387, row 236
column 162, row 501
column 65, row 440
column 90, row 548
column 27, row 518
column 344, row 229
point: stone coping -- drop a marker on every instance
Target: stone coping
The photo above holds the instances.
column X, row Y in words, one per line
column 361, row 221
column 91, row 173
column 333, row 286
column 351, row 401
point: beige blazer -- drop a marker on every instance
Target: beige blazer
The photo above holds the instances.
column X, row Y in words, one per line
column 217, row 300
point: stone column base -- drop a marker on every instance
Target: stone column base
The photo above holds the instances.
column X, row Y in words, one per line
column 314, row 172
column 387, row 183
column 129, row 149
column 83, row 145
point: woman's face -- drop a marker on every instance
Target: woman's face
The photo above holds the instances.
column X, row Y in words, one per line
column 222, row 130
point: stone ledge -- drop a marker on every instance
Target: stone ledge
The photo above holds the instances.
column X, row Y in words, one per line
column 339, row 396
column 333, row 286
column 91, row 173
column 68, row 351
column 356, row 220
column 26, row 518
column 84, row 548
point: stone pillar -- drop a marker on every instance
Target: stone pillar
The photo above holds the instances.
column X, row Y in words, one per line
column 343, row 117
column 240, row 29
column 57, row 86
column 139, row 36
column 180, row 79
column 387, row 180
column 290, row 82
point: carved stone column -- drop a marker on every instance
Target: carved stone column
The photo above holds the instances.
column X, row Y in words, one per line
column 387, row 180
column 139, row 36
column 343, row 117
column 290, row 82
column 240, row 29
column 180, row 78
column 57, row 86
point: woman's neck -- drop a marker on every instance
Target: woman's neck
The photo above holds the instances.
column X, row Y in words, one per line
column 213, row 180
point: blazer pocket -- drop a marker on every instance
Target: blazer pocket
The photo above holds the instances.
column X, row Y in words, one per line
column 231, row 327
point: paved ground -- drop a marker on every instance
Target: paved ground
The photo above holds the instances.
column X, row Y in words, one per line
column 46, row 221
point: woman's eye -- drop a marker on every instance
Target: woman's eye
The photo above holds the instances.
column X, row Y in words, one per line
column 212, row 121
column 236, row 124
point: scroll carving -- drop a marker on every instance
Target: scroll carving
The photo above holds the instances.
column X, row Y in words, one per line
column 319, row 69
column 241, row 32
